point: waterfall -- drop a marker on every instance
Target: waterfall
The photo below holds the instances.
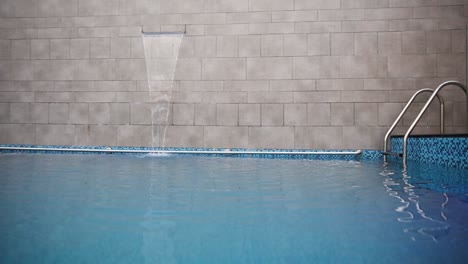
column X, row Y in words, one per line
column 161, row 56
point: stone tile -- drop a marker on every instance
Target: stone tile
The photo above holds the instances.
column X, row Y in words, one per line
column 182, row 6
column 16, row 97
column 389, row 84
column 187, row 47
column 271, row 97
column 58, row 113
column 319, row 44
column 317, row 27
column 342, row 114
column 57, row 8
column 271, row 28
column 317, row 97
column 227, row 114
column 56, row 97
column 183, row 136
column 342, row 44
column 79, row 48
column 272, row 45
column 363, row 67
column 54, row 134
column 232, row 29
column 230, row 6
column 315, row 67
column 54, row 70
column 413, row 42
column 40, row 49
column 223, row 69
column 22, row 8
column 59, row 49
column 249, row 114
column 364, row 96
column 99, row 113
column 19, row 113
column 271, row 137
column 201, row 86
column 317, row 4
column 295, row 114
column 272, row 115
column 17, row 134
column 205, row 46
column 100, row 48
column 137, row 49
column 340, row 85
column 119, row 113
column 227, row 46
column 365, row 43
column 120, row 48
column 364, row 4
column 319, row 137
column 188, row 69
column 5, row 70
column 183, row 114
column 366, row 114
column 205, row 114
column 20, row 49
column 318, row 114
column 5, row 49
column 137, row 136
column 23, row 70
column 98, row 8
column 79, row 113
column 260, row 68
column 100, row 135
column 415, row 66
column 365, row 26
column 389, row 43
column 295, row 45
column 131, row 69
column 140, row 114
column 225, row 97
column 248, row 86
column 388, row 112
column 225, row 137
column 4, row 113
column 439, row 41
column 363, row 137
column 249, row 46
column 100, row 69
column 248, row 17
column 294, row 16
column 458, row 40
column 268, row 5
column 292, row 85
column 451, row 65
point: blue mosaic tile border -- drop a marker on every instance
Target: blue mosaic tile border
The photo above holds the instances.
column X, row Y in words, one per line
column 443, row 151
column 366, row 154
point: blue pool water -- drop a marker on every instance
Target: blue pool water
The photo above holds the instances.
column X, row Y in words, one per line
column 176, row 209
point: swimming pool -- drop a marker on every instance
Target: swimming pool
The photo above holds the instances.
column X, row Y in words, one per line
column 179, row 209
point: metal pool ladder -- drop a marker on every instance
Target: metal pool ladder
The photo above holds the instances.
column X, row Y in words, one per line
column 416, row 120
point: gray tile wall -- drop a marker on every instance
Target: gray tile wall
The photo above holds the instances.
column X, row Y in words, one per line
column 260, row 73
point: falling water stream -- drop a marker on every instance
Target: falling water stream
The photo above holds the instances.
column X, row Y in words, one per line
column 161, row 56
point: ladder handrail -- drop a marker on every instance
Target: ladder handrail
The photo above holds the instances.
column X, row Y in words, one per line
column 423, row 110
column 408, row 104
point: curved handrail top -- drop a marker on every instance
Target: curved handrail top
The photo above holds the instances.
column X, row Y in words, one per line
column 408, row 104
column 447, row 83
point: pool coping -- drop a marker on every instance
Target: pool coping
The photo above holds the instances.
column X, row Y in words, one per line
column 238, row 152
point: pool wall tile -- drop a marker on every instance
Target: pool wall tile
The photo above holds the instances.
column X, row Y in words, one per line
column 444, row 151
